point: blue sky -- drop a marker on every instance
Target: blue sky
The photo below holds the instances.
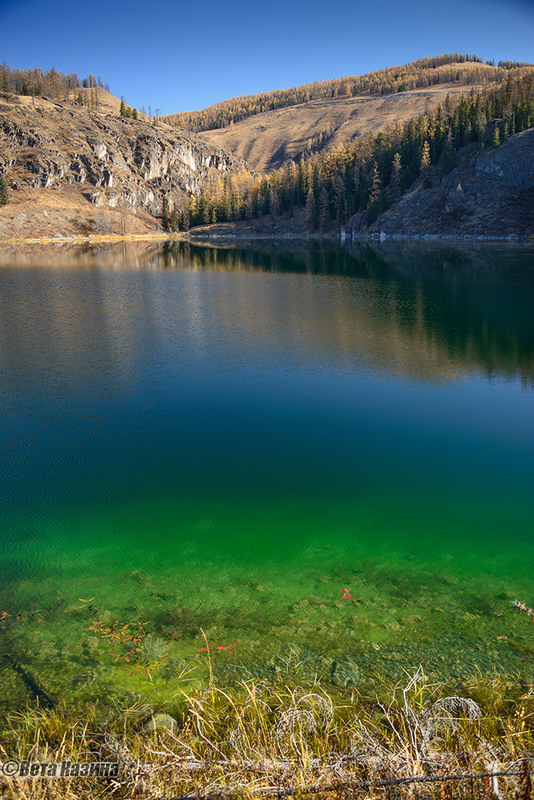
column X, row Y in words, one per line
column 177, row 56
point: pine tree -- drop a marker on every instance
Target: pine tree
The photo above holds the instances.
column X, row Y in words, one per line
column 376, row 185
column 173, row 223
column 324, row 214
column 496, row 138
column 164, row 214
column 311, row 209
column 425, row 166
column 273, row 202
column 448, row 156
column 396, row 175
column 192, row 213
column 205, row 214
column 339, row 195
column 4, row 192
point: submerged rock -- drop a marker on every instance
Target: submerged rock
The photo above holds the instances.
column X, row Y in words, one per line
column 85, row 678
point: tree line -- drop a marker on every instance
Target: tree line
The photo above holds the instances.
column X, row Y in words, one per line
column 456, row 68
column 371, row 173
column 52, row 83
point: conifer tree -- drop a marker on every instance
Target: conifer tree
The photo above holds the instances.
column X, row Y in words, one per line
column 324, row 216
column 395, row 174
column 273, row 202
column 374, row 194
column 448, row 156
column 339, row 195
column 192, row 212
column 425, row 166
column 311, row 209
column 164, row 214
column 204, row 212
column 4, row 192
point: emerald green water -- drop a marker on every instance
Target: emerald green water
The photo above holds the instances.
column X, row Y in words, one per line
column 223, row 440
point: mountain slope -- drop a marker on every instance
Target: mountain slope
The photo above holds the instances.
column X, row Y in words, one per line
column 421, row 74
column 268, row 130
column 103, row 169
column 269, row 140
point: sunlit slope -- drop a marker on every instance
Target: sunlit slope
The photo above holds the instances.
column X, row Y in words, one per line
column 268, row 140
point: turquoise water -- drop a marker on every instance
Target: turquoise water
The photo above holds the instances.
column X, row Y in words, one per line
column 218, row 442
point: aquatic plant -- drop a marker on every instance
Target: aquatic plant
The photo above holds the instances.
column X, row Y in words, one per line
column 135, row 646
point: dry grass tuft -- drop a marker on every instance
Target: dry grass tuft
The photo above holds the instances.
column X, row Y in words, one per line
column 259, row 738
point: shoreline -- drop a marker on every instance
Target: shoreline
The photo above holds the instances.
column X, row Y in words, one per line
column 259, row 739
column 209, row 238
column 91, row 239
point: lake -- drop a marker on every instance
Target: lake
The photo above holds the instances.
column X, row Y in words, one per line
column 265, row 459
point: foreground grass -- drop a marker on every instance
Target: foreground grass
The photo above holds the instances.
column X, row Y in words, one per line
column 257, row 738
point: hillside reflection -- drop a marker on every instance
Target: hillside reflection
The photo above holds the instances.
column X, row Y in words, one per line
column 421, row 310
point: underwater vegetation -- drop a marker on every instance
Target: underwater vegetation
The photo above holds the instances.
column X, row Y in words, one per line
column 217, row 730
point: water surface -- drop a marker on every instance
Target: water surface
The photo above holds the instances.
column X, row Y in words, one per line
column 218, row 442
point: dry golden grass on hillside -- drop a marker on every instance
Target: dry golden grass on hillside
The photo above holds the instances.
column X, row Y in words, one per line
column 50, row 213
column 267, row 140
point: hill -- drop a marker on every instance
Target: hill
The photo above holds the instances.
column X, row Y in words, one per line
column 421, row 74
column 363, row 179
column 72, row 168
column 78, row 160
column 269, row 140
column 269, row 129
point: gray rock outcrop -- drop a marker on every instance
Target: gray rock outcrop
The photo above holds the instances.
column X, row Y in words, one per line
column 115, row 161
column 489, row 195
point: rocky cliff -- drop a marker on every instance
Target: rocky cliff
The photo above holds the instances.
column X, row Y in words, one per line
column 98, row 160
column 490, row 194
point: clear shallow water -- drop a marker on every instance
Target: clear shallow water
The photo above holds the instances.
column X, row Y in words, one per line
column 224, row 440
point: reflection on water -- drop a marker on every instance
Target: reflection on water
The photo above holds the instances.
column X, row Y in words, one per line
column 422, row 308
column 225, row 438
